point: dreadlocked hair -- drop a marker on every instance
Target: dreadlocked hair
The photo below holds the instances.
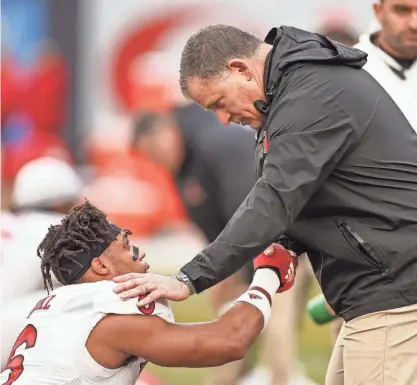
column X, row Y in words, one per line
column 83, row 227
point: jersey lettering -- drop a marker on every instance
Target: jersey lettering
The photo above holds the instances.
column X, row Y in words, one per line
column 43, row 304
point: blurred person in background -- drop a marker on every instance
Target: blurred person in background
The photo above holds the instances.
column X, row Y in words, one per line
column 336, row 23
column 392, row 53
column 213, row 170
column 44, row 190
column 140, row 194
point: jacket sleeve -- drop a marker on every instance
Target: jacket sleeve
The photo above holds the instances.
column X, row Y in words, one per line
column 307, row 138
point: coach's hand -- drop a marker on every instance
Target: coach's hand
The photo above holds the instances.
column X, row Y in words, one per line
column 158, row 286
column 284, row 262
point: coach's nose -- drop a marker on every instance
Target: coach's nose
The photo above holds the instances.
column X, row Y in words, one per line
column 223, row 116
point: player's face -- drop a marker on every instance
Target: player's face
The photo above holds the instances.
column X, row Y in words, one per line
column 230, row 96
column 123, row 259
column 398, row 19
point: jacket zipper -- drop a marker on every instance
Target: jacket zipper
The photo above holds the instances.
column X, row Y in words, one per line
column 362, row 246
column 260, row 155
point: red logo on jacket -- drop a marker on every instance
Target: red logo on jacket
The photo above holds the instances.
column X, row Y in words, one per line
column 265, row 143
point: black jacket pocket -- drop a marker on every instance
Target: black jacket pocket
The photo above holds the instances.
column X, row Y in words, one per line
column 363, row 247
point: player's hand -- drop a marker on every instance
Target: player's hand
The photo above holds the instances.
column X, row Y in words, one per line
column 284, row 262
column 155, row 285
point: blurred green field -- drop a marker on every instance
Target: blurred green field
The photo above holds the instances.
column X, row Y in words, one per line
column 314, row 345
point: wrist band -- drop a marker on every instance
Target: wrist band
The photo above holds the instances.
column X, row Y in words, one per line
column 267, row 279
column 259, row 300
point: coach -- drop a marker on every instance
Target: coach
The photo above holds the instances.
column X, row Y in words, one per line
column 337, row 175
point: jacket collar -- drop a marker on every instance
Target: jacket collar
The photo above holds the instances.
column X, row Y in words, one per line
column 273, row 37
column 269, row 92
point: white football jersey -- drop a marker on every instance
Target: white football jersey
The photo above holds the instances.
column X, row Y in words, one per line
column 51, row 348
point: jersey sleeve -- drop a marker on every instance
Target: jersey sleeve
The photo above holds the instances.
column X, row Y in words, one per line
column 110, row 303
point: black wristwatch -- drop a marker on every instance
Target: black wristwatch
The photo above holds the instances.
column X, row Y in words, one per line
column 184, row 278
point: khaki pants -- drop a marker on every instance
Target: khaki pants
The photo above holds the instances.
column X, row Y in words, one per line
column 376, row 349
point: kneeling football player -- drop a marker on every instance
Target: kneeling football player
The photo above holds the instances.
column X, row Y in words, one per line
column 83, row 333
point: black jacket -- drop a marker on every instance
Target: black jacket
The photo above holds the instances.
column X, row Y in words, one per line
column 217, row 173
column 337, row 174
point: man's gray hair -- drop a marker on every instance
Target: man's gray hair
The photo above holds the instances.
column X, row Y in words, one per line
column 208, row 51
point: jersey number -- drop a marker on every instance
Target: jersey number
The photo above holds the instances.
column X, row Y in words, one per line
column 15, row 363
column 147, row 309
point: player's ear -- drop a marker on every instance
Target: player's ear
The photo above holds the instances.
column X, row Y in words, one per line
column 100, row 266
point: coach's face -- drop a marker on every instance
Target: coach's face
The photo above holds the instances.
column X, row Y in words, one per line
column 398, row 19
column 231, row 95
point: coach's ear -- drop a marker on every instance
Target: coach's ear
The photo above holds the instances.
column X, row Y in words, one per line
column 241, row 67
column 100, row 267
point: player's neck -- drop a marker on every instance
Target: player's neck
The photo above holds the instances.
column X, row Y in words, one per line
column 97, row 278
